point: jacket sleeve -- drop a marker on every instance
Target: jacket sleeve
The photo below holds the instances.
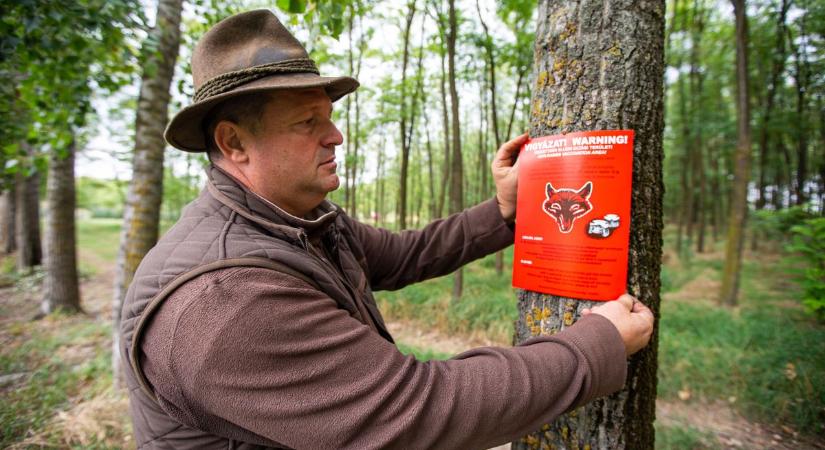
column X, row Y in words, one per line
column 395, row 260
column 284, row 362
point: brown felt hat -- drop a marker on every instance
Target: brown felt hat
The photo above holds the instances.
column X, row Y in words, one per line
column 246, row 53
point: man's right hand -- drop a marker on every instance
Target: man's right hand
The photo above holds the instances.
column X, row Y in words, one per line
column 633, row 319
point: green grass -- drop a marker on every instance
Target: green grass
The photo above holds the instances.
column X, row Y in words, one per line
column 716, row 353
column 100, row 237
column 51, row 379
column 421, row 354
column 684, row 438
column 766, row 357
column 487, row 305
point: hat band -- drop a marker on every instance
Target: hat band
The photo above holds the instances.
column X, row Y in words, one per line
column 227, row 81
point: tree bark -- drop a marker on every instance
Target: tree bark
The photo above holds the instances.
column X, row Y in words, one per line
column 27, row 222
column 600, row 65
column 801, row 76
column 697, row 147
column 7, row 244
column 686, row 212
column 61, row 291
column 348, row 158
column 457, row 168
column 742, row 164
column 445, row 116
column 141, row 216
column 405, row 142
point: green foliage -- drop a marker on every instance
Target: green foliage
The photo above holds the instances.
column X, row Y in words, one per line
column 776, row 225
column 762, row 358
column 51, row 377
column 102, row 198
column 328, row 15
column 808, row 242
column 421, row 354
column 56, row 54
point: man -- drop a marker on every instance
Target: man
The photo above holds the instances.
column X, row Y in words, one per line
column 252, row 323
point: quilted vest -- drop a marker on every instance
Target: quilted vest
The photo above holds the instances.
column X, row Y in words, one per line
column 229, row 226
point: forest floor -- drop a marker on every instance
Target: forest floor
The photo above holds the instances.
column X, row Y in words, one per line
column 56, row 387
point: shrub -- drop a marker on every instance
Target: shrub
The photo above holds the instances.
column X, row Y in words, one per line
column 808, row 241
column 776, row 225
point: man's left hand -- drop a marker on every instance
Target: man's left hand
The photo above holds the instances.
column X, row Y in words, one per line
column 505, row 175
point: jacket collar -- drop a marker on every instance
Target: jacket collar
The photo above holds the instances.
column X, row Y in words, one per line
column 232, row 193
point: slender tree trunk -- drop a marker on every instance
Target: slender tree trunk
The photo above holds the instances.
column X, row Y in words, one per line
column 801, row 76
column 348, row 159
column 742, row 164
column 457, row 168
column 687, row 201
column 778, row 66
column 515, row 104
column 61, row 291
column 481, row 150
column 430, row 173
column 7, row 221
column 379, row 188
column 685, row 213
column 27, row 222
column 405, row 149
column 603, row 62
column 715, row 192
column 356, row 144
column 696, row 81
column 445, row 116
column 141, row 217
column 521, row 74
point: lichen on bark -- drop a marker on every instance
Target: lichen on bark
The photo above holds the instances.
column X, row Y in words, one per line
column 600, row 65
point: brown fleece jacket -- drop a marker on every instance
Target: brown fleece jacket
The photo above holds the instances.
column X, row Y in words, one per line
column 237, row 348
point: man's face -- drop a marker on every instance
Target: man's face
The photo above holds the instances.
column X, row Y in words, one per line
column 292, row 153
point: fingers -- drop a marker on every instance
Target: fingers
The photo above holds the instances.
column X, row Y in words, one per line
column 505, row 154
column 627, row 300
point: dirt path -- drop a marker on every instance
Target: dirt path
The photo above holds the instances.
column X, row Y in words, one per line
column 730, row 429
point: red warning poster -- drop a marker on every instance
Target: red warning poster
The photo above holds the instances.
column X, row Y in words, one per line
column 573, row 215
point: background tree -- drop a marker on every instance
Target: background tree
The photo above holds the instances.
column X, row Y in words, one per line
column 742, row 163
column 591, row 59
column 456, row 165
column 64, row 52
column 141, row 218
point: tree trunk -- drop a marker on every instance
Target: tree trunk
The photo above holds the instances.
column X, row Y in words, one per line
column 600, row 65
column 500, row 253
column 348, row 158
column 777, row 68
column 445, row 120
column 715, row 192
column 356, row 144
column 27, row 222
column 141, row 216
column 742, row 164
column 7, row 221
column 61, row 291
column 403, row 113
column 697, row 147
column 686, row 212
column 801, row 76
column 457, row 168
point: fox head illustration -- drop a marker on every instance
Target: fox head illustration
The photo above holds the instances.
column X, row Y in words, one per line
column 567, row 205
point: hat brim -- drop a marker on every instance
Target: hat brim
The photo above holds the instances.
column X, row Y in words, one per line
column 185, row 130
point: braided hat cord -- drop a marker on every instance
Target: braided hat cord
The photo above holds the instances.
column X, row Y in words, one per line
column 230, row 80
